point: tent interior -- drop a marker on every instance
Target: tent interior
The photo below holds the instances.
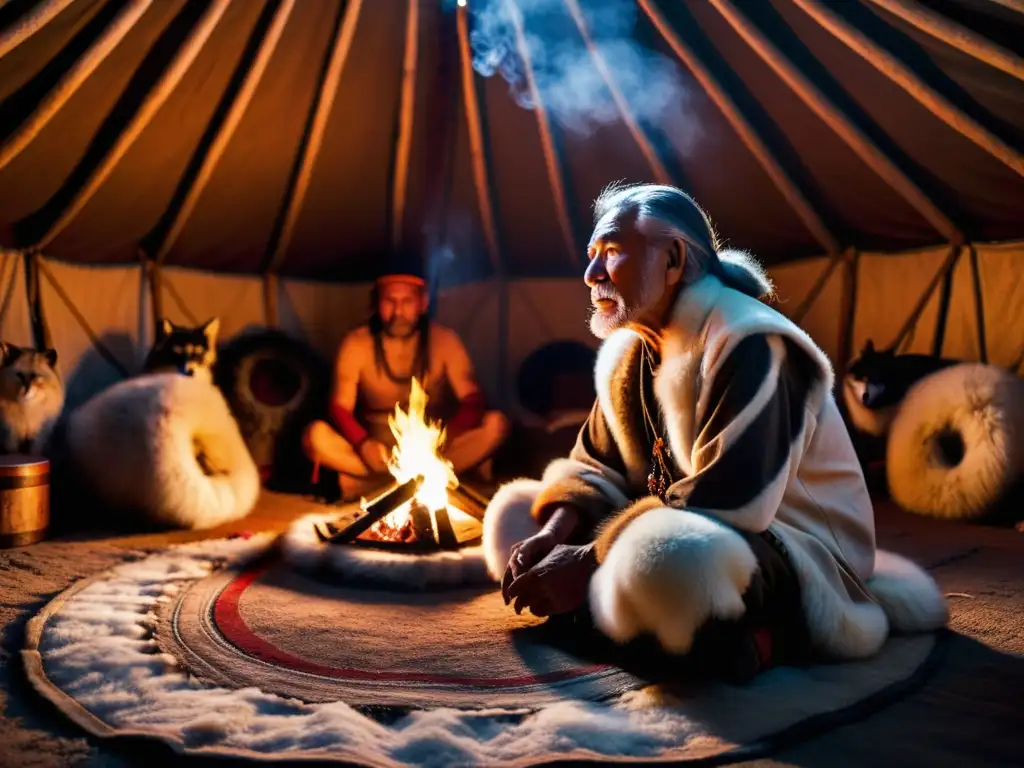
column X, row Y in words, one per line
column 260, row 161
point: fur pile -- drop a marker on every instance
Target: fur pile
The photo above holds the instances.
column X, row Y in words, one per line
column 957, row 443
column 164, row 448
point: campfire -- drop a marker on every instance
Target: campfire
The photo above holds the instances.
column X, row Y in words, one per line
column 426, row 502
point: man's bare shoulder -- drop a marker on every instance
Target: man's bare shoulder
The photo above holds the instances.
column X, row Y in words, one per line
column 444, row 336
column 357, row 340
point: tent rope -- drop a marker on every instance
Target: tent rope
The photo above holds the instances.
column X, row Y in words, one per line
column 94, row 338
column 915, row 314
column 168, row 286
column 819, row 285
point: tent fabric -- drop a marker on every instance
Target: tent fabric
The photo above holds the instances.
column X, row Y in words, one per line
column 115, row 302
column 312, row 137
column 15, row 318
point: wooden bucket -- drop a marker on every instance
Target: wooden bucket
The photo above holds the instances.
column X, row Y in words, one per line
column 24, row 499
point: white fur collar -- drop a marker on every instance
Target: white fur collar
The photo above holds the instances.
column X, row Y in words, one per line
column 708, row 319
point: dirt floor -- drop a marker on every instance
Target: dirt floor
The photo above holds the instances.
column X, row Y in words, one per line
column 969, row 713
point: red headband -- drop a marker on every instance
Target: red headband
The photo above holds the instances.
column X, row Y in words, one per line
column 401, row 278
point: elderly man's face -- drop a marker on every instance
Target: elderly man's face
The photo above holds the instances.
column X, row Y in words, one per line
column 626, row 276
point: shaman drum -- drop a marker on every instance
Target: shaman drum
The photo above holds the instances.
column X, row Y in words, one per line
column 24, row 499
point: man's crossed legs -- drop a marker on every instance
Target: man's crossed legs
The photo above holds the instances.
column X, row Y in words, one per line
column 470, row 451
column 727, row 600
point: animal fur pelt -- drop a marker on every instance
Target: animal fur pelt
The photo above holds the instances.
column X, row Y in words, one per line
column 164, row 448
column 657, row 579
column 956, row 448
column 31, row 399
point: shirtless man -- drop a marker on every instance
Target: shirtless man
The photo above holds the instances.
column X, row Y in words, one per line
column 373, row 373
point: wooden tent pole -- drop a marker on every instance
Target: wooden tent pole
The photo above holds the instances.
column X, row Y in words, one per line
column 31, row 23
column 661, row 175
column 314, row 136
column 958, row 36
column 748, row 135
column 979, row 305
column 407, row 111
column 908, row 80
column 551, row 160
column 851, row 265
column 195, row 186
column 477, row 150
column 72, row 81
column 1013, row 5
column 839, row 122
column 155, row 99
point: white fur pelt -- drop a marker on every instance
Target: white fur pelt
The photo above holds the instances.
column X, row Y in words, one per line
column 984, row 405
column 668, row 573
column 671, row 570
column 302, row 548
column 165, row 447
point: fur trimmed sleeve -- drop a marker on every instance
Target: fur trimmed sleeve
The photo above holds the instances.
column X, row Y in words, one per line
column 749, row 436
column 592, row 479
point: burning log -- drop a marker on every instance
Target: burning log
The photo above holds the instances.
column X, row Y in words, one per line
column 472, row 502
column 446, row 537
column 376, row 510
column 422, row 528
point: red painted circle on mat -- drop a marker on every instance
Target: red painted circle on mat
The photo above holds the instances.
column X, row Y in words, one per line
column 229, row 621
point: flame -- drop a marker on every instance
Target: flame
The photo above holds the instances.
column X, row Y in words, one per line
column 417, row 451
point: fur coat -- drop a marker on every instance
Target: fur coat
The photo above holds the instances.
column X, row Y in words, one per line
column 757, row 443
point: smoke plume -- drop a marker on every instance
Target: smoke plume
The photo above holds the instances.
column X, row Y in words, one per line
column 569, row 84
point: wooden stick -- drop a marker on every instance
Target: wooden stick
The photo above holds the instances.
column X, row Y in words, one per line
column 407, row 112
column 661, row 175
column 321, row 110
column 30, row 23
column 72, row 81
column 469, row 500
column 220, row 142
column 849, row 309
column 754, row 143
column 551, row 161
column 839, row 122
column 908, row 80
column 477, row 150
column 154, row 100
column 270, row 290
column 380, row 507
column 960, row 37
column 446, row 537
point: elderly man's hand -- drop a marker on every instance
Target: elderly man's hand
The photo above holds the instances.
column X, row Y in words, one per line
column 557, row 584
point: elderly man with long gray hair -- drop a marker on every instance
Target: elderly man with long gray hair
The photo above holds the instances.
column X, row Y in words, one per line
column 713, row 500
